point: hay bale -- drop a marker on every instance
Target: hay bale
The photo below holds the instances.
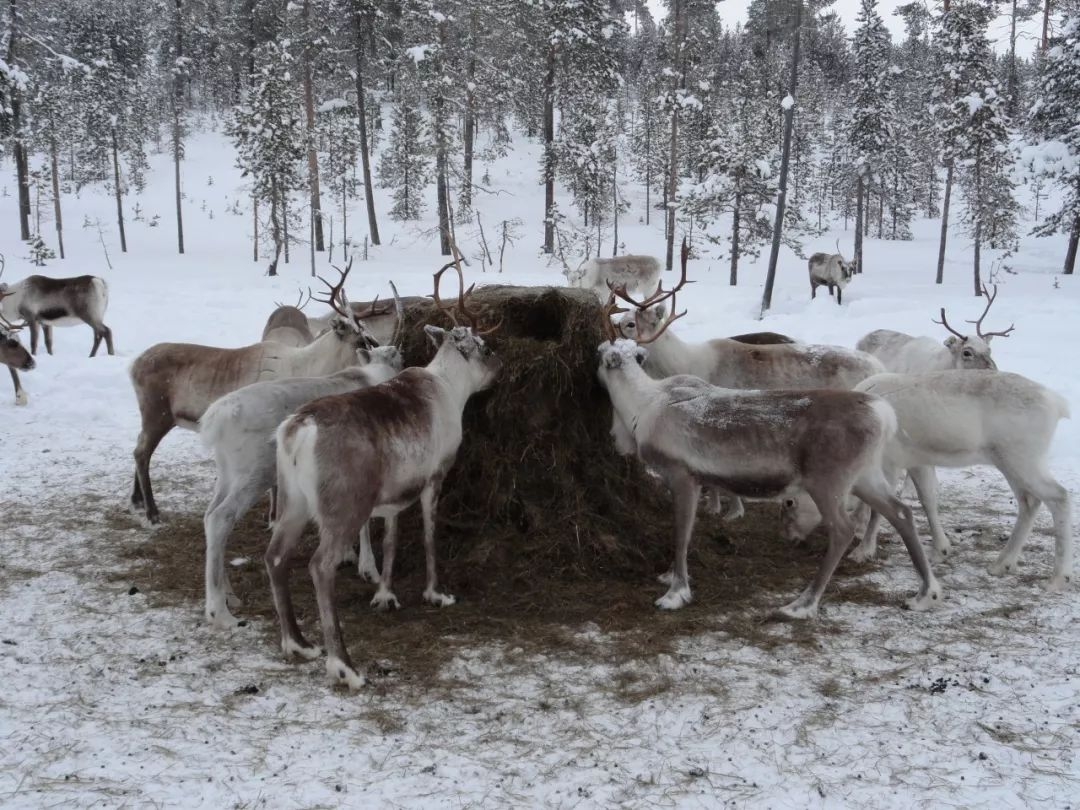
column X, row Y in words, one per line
column 538, row 490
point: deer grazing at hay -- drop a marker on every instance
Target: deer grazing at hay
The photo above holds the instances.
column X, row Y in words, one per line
column 373, row 452
column 176, row 382
column 734, row 363
column 754, row 444
column 905, row 354
column 13, row 354
column 48, row 302
column 236, row 426
column 960, row 420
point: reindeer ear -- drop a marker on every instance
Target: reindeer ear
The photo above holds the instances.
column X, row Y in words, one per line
column 363, row 355
column 952, row 341
column 435, row 334
column 660, row 310
column 640, row 353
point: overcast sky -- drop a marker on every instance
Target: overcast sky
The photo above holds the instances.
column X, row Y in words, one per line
column 734, row 11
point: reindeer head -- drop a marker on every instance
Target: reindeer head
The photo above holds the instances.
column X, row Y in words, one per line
column 575, row 277
column 348, row 325
column 648, row 319
column 383, row 355
column 12, row 352
column 973, row 351
column 482, row 366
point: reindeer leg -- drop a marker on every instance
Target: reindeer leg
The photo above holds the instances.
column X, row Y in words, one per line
column 839, row 295
column 149, row 438
column 108, row 339
column 686, row 493
column 926, row 487
column 33, row 325
column 840, row 528
column 333, row 540
column 48, row 337
column 877, row 492
column 97, row 342
column 225, row 509
column 365, row 565
column 384, row 598
column 20, row 394
column 429, row 502
column 282, row 548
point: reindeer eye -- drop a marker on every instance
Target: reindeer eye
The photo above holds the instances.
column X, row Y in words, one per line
column 968, row 353
column 789, row 503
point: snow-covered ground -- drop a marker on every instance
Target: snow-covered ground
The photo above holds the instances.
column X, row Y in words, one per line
column 108, row 700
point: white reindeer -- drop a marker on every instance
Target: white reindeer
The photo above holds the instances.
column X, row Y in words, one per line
column 236, row 428
column 830, row 270
column 176, row 382
column 960, row 420
column 48, row 302
column 345, row 458
column 638, row 274
column 906, row 354
column 757, row 444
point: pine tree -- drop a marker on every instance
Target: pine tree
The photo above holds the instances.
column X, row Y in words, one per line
column 268, row 133
column 406, row 161
column 1054, row 120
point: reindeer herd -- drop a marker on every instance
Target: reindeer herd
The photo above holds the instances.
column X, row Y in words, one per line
column 321, row 415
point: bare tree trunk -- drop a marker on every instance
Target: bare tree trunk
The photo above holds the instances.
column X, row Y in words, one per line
column 22, row 162
column 275, row 228
column 673, row 153
column 1012, row 79
column 1046, row 26
column 859, row 214
column 469, row 133
column 785, row 156
column 733, row 280
column 615, row 208
column 116, row 183
column 978, row 224
column 309, row 122
column 442, row 195
column 549, row 151
column 944, row 224
column 176, row 101
column 255, row 218
column 285, row 222
column 1070, row 254
column 648, row 165
column 54, row 157
column 365, row 150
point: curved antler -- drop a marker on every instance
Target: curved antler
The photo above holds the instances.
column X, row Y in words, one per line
column 989, row 303
column 659, row 296
column 945, row 323
column 399, row 326
column 461, row 307
column 5, row 324
column 609, row 309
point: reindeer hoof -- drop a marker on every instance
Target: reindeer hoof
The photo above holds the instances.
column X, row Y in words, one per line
column 1057, row 583
column 223, row 620
column 926, row 599
column 299, row 650
column 674, row 599
column 21, row 398
column 385, row 600
column 439, row 599
column 344, row 675
column 1000, row 568
column 860, row 554
column 796, row 611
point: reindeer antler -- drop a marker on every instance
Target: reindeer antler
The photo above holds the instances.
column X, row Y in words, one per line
column 463, row 295
column 5, row 324
column 609, row 309
column 945, row 323
column 989, row 303
column 337, row 300
column 659, row 296
column 399, row 326
column 300, row 302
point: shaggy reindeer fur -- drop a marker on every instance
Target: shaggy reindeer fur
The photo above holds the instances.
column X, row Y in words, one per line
column 907, row 354
column 176, row 382
column 758, row 444
column 344, row 458
column 958, row 420
column 59, row 302
column 830, row 270
column 288, row 325
column 239, row 429
column 638, row 274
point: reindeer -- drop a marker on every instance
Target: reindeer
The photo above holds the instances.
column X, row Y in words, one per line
column 176, row 382
column 830, row 270
column 236, row 428
column 755, row 444
column 905, row 354
column 636, row 273
column 58, row 302
column 960, row 420
column 289, row 325
column 344, row 458
column 13, row 354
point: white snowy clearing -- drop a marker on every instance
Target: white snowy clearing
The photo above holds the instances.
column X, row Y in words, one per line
column 109, row 701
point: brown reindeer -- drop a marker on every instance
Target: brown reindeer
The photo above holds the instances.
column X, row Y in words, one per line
column 176, row 382
column 373, row 452
column 756, row 444
column 13, row 354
